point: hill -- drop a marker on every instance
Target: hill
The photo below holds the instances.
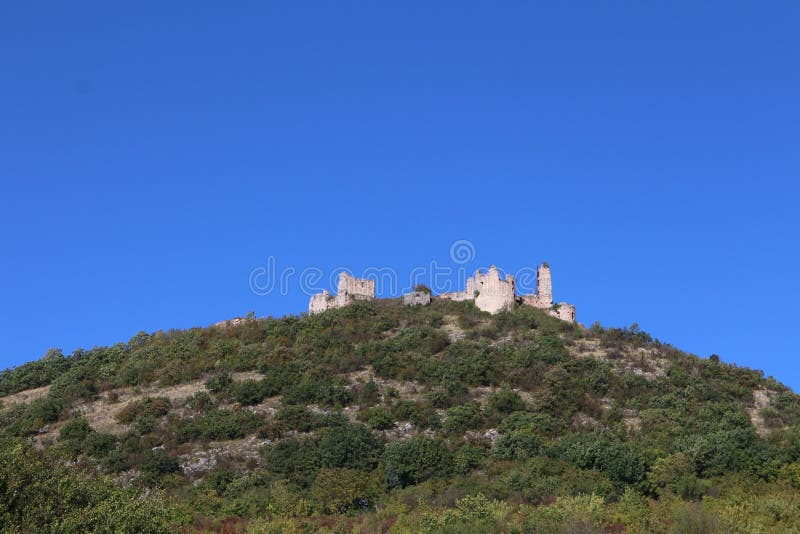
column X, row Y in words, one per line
column 378, row 417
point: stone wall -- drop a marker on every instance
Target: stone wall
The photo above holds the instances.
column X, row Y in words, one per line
column 493, row 294
column 417, row 298
column 350, row 289
column 358, row 288
column 321, row 302
column 489, row 291
column 543, row 298
column 563, row 311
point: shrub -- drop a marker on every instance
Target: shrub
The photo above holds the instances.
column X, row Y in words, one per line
column 420, row 458
column 505, row 401
column 517, row 445
column 352, row 445
column 75, row 430
column 467, row 458
column 464, row 417
column 146, row 407
column 248, row 392
column 294, row 417
column 99, row 445
column 340, row 490
column 155, row 464
column 380, row 419
column 219, row 383
column 539, row 423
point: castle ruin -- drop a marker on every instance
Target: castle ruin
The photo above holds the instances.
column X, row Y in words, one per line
column 491, row 294
column 489, row 291
column 350, row 289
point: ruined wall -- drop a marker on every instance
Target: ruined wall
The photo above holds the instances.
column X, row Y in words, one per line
column 321, row 302
column 417, row 298
column 358, row 288
column 544, row 284
column 350, row 289
column 489, row 291
column 494, row 294
column 563, row 311
column 543, row 298
column 236, row 321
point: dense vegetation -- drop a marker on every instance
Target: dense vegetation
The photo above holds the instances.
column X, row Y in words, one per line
column 377, row 418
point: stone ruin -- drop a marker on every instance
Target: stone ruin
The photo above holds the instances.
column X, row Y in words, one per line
column 492, row 294
column 489, row 291
column 350, row 289
column 417, row 298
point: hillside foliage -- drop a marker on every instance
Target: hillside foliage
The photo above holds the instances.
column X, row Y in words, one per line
column 382, row 418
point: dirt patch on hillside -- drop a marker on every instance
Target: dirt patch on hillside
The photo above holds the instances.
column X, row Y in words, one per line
column 451, row 328
column 23, row 396
column 102, row 410
column 645, row 362
column 761, row 400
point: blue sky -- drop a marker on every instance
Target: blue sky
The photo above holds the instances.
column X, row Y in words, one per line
column 152, row 156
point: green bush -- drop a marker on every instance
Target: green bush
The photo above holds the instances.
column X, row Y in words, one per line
column 517, row 445
column 294, row 417
column 463, row 417
column 505, row 401
column 248, row 392
column 156, row 464
column 420, row 458
column 380, row 419
column 147, row 407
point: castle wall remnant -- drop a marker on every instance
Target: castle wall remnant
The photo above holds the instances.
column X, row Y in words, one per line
column 543, row 298
column 350, row 289
column 563, row 311
column 417, row 298
column 489, row 291
column 492, row 294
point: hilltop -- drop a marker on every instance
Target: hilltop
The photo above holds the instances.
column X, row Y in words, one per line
column 379, row 417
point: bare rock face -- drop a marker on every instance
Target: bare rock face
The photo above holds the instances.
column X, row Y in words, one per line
column 350, row 289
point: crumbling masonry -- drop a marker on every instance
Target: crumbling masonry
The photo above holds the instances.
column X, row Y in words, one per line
column 488, row 290
column 492, row 294
column 350, row 289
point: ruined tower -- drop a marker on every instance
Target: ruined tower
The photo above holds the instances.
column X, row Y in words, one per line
column 543, row 298
column 544, row 285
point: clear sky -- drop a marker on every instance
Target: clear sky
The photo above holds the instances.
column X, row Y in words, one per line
column 153, row 155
